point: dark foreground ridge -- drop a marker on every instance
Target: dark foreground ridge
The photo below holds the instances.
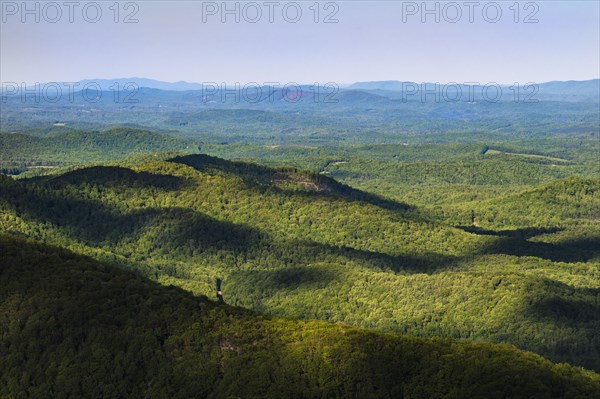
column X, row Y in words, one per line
column 73, row 327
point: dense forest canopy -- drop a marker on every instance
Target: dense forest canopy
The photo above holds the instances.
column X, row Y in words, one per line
column 465, row 237
column 294, row 243
column 84, row 329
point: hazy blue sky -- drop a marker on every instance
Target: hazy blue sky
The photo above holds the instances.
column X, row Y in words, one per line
column 370, row 41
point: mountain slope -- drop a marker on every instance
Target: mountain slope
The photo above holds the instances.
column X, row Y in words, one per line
column 297, row 244
column 561, row 201
column 23, row 151
column 73, row 327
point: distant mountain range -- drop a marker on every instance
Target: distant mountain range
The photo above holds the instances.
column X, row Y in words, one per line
column 570, row 91
column 553, row 86
column 571, row 87
column 376, row 92
column 391, row 85
column 108, row 84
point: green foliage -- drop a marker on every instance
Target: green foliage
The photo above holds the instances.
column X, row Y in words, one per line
column 446, row 181
column 19, row 152
column 73, row 327
column 298, row 244
column 446, row 240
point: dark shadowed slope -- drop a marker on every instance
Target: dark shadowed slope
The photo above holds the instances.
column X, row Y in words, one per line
column 73, row 327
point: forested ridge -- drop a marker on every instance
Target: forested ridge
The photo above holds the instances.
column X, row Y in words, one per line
column 71, row 326
column 298, row 244
column 62, row 146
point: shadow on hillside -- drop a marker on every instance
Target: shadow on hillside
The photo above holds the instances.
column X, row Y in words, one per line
column 96, row 224
column 296, row 252
column 266, row 283
column 572, row 309
column 253, row 174
column 185, row 233
column 580, row 250
column 205, row 163
column 115, row 176
column 516, row 243
column 404, row 263
column 338, row 190
column 564, row 303
column 523, row 233
column 111, row 176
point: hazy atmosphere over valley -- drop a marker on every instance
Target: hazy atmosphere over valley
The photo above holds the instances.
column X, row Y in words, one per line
column 300, row 199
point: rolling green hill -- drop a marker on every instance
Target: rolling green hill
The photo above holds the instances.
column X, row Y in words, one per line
column 20, row 152
column 73, row 327
column 448, row 181
column 298, row 244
